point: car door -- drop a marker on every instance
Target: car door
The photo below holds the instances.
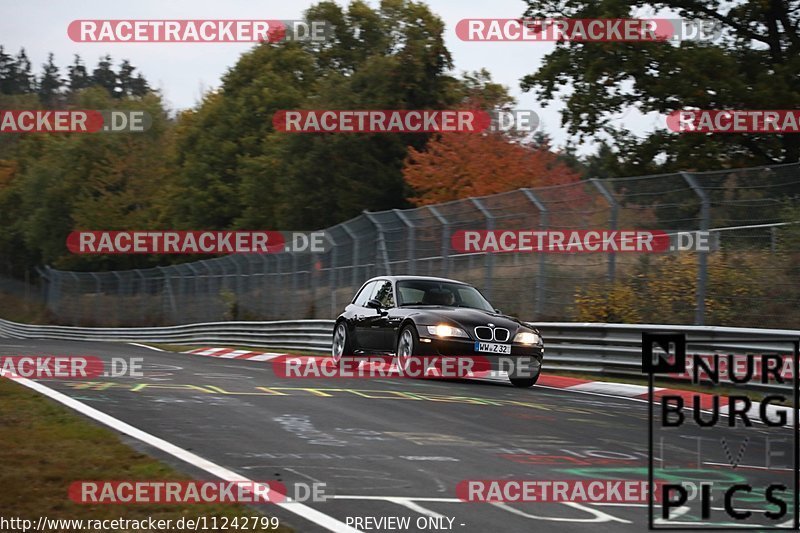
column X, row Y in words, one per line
column 360, row 311
column 383, row 325
column 371, row 327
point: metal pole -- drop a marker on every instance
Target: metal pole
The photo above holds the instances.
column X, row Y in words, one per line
column 410, row 242
column 352, row 236
column 381, row 243
column 196, row 276
column 445, row 240
column 333, row 274
column 702, row 256
column 541, row 280
column 614, row 205
column 488, row 256
column 98, row 287
column 120, row 302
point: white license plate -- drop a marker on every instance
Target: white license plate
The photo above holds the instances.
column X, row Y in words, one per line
column 492, row 347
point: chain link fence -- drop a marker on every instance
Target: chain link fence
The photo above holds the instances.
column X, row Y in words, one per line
column 749, row 278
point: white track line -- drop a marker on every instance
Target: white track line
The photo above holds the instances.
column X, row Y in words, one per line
column 146, row 346
column 302, row 510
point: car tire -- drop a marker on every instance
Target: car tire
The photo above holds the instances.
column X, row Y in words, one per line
column 341, row 347
column 407, row 344
column 524, row 383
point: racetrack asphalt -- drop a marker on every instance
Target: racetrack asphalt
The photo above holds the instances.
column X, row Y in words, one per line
column 398, row 447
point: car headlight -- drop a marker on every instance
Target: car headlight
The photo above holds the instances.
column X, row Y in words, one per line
column 527, row 337
column 443, row 330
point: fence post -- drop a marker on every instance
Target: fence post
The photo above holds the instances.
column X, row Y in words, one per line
column 239, row 284
column 334, row 276
column 166, row 290
column 381, row 243
column 612, row 222
column 411, row 242
column 541, row 279
column 488, row 256
column 119, row 303
column 445, row 240
column 294, row 299
column 196, row 279
column 773, row 239
column 352, row 235
column 702, row 256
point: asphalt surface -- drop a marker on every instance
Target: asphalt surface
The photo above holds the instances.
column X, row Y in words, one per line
column 398, row 447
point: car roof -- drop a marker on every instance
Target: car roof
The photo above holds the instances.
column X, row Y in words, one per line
column 420, row 278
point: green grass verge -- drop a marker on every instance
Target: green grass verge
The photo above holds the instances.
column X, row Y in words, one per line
column 44, row 447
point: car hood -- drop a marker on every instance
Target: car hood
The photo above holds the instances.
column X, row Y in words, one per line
column 467, row 318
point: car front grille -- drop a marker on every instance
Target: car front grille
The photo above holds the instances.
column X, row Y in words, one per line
column 501, row 334
column 485, row 333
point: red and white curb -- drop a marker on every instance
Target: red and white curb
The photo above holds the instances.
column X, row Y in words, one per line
column 640, row 392
column 227, row 353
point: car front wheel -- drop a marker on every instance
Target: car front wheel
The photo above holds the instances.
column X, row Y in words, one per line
column 341, row 343
column 407, row 344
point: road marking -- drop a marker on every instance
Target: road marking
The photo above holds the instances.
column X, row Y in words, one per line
column 599, row 516
column 301, row 510
column 146, row 346
column 408, row 503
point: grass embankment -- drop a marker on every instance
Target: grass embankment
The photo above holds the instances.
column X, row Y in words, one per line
column 44, row 447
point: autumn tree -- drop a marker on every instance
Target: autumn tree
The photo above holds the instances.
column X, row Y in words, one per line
column 234, row 170
column 459, row 165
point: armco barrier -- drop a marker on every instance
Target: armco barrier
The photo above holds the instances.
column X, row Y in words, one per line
column 307, row 335
column 611, row 349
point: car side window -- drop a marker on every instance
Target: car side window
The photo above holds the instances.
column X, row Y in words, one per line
column 365, row 294
column 384, row 294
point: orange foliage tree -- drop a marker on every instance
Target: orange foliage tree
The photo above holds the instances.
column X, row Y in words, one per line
column 459, row 165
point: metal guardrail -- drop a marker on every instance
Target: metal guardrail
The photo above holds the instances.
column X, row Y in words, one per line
column 306, row 335
column 610, row 349
column 616, row 349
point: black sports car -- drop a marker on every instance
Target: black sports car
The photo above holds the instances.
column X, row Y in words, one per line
column 419, row 316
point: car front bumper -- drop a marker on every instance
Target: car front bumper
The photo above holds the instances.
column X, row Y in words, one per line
column 523, row 361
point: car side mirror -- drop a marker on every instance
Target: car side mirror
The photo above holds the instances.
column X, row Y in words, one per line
column 499, row 312
column 374, row 303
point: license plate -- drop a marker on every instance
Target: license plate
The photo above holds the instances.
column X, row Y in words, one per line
column 493, row 347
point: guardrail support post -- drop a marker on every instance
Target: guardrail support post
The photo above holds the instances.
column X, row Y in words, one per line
column 702, row 256
column 612, row 222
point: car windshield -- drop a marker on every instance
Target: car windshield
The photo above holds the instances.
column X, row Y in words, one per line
column 433, row 292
